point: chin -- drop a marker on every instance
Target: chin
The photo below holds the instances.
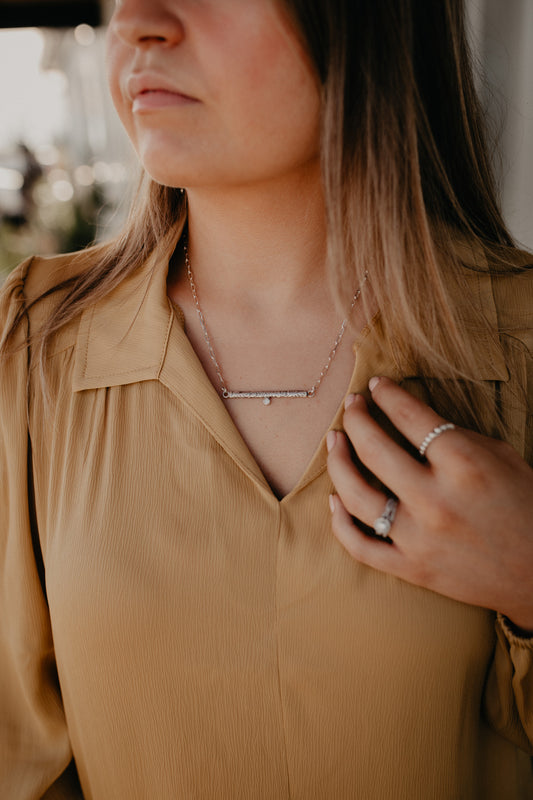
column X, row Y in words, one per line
column 166, row 162
column 165, row 179
column 163, row 171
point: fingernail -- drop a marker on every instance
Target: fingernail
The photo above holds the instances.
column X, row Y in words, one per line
column 372, row 383
column 350, row 400
column 331, row 438
column 331, row 503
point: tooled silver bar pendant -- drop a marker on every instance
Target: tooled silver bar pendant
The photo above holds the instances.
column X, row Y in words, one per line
column 266, row 397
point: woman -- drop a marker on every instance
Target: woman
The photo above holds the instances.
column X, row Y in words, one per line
column 178, row 618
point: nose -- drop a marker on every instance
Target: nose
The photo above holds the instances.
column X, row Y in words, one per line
column 145, row 22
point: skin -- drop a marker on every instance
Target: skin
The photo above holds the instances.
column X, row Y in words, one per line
column 463, row 526
column 244, row 124
column 245, row 144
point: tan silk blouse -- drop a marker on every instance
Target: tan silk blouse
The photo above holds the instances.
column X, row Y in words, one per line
column 180, row 633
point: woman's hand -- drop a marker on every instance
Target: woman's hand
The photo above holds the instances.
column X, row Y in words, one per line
column 464, row 521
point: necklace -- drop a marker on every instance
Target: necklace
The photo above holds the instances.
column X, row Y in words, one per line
column 265, row 395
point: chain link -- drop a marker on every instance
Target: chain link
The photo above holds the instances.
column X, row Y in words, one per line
column 226, row 393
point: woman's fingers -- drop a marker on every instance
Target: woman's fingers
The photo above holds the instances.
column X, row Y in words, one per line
column 413, row 418
column 463, row 522
column 362, row 548
column 393, row 465
column 358, row 498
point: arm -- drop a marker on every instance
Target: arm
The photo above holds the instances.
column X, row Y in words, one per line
column 35, row 751
column 463, row 528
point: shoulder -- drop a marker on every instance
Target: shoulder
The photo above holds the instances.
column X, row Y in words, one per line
column 34, row 288
column 513, row 293
column 497, row 282
column 512, row 296
column 37, row 275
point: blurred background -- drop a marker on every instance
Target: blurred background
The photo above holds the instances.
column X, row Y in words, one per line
column 66, row 166
column 67, row 169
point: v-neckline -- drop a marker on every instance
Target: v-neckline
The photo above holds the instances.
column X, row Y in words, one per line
column 183, row 374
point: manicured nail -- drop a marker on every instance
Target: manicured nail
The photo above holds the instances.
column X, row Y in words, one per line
column 372, row 383
column 331, row 503
column 331, row 438
column 350, row 400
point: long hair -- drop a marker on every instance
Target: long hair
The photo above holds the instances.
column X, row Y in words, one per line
column 405, row 171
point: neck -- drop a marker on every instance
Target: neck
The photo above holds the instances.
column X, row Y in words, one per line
column 267, row 241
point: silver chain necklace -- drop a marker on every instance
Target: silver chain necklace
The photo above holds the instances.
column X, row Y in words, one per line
column 265, row 395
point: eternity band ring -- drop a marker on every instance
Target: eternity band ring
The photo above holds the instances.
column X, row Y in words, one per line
column 432, row 435
column 383, row 524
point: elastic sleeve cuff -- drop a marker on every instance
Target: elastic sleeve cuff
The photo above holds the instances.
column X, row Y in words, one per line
column 513, row 633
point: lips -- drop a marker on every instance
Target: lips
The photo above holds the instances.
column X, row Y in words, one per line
column 138, row 85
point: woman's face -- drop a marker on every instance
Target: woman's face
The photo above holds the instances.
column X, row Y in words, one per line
column 213, row 92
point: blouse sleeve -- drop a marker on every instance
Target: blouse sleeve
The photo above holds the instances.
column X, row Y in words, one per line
column 509, row 687
column 35, row 754
column 509, row 690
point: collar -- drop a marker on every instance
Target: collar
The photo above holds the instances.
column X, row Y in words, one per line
column 124, row 337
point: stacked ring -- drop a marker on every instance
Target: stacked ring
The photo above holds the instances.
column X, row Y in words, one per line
column 432, row 435
column 383, row 524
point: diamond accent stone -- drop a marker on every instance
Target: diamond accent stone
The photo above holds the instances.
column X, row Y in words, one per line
column 382, row 526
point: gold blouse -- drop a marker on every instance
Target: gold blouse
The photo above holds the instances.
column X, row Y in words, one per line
column 179, row 632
